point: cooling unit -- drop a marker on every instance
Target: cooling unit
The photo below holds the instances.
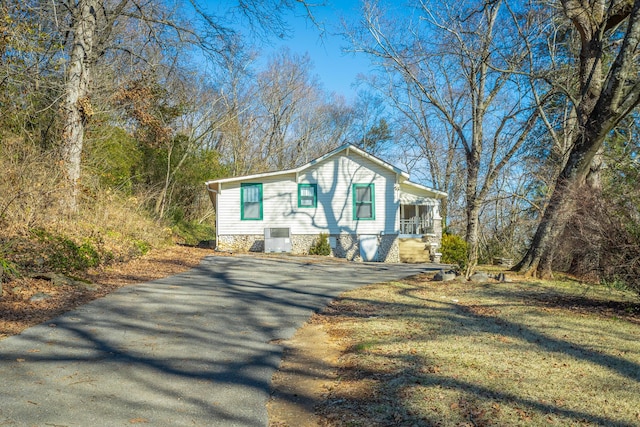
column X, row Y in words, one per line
column 277, row 240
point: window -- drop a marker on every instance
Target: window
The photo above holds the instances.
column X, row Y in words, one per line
column 307, row 195
column 363, row 201
column 251, row 201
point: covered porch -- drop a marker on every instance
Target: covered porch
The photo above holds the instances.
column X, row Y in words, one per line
column 416, row 220
column 420, row 224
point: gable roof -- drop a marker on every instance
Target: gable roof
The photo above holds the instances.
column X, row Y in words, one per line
column 346, row 147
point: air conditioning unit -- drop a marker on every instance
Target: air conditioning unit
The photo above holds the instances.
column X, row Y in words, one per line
column 277, row 240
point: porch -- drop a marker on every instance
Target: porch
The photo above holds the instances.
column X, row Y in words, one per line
column 416, row 220
column 418, row 241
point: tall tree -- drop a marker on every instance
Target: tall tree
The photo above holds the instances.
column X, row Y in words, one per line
column 77, row 108
column 609, row 90
column 91, row 28
column 464, row 62
column 287, row 90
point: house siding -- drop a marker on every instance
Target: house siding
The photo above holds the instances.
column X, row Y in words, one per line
column 334, row 211
column 333, row 176
column 279, row 203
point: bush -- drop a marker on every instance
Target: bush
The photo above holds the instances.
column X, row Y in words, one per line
column 7, row 268
column 321, row 246
column 191, row 232
column 454, row 250
column 601, row 242
column 64, row 255
column 141, row 246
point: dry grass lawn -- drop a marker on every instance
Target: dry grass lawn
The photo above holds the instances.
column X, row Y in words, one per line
column 496, row 354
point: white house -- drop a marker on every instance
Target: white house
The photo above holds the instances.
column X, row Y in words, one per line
column 366, row 206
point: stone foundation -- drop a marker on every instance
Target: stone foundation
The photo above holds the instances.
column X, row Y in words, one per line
column 241, row 243
column 346, row 245
column 388, row 251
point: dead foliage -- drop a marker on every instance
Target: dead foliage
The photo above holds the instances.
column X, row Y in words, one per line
column 17, row 312
column 601, row 242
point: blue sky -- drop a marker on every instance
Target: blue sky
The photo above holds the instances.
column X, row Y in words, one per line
column 337, row 70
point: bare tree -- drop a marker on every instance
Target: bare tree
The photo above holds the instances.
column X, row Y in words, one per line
column 287, row 90
column 464, row 62
column 429, row 148
column 278, row 117
column 609, row 90
column 92, row 28
column 195, row 130
column 77, row 108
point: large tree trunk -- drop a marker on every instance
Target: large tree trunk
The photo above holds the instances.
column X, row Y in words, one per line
column 77, row 106
column 606, row 98
column 538, row 259
column 473, row 220
column 561, row 207
column 473, row 209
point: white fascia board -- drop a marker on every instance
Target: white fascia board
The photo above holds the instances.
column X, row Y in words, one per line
column 252, row 177
column 437, row 194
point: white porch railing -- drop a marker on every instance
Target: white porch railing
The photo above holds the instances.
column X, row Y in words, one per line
column 416, row 225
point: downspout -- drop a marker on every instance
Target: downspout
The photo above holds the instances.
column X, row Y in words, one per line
column 215, row 208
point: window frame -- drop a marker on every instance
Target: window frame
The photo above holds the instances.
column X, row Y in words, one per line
column 315, row 195
column 354, row 202
column 242, row 202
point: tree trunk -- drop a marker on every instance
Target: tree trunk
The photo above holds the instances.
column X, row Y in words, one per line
column 473, row 211
column 606, row 98
column 538, row 259
column 77, row 107
column 473, row 219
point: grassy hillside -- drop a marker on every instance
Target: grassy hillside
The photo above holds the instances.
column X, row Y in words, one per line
column 37, row 233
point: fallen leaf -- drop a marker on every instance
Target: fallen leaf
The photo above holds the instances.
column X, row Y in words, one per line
column 523, row 415
column 138, row 420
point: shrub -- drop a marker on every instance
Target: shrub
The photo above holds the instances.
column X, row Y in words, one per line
column 454, row 250
column 142, row 247
column 191, row 232
column 601, row 242
column 321, row 246
column 7, row 268
column 64, row 255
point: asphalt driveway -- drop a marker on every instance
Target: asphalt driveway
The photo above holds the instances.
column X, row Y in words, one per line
column 195, row 349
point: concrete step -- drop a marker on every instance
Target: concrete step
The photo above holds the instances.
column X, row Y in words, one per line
column 413, row 251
